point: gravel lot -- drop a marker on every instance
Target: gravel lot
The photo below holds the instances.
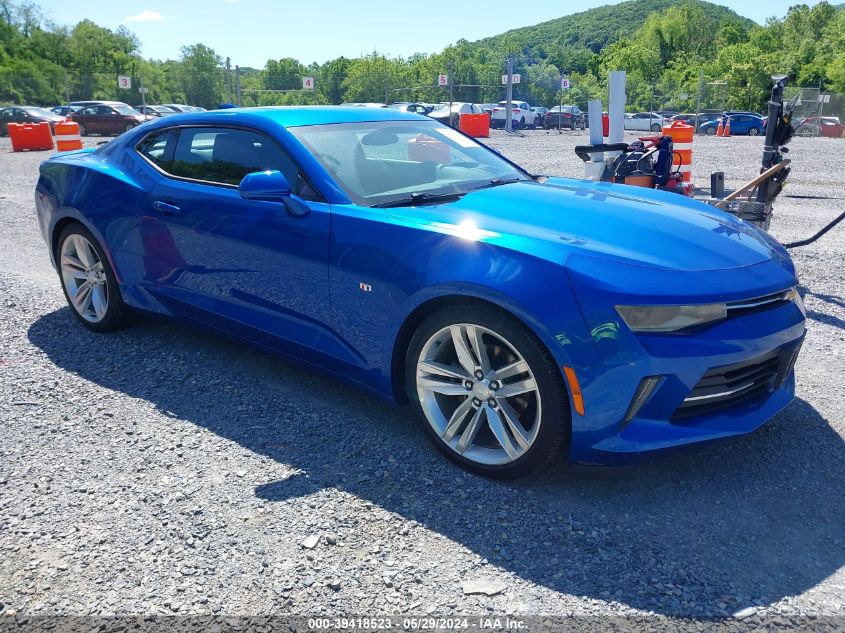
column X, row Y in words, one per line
column 160, row 470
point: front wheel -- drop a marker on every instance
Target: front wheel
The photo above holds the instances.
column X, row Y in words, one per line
column 88, row 280
column 656, row 127
column 710, row 131
column 488, row 393
column 83, row 131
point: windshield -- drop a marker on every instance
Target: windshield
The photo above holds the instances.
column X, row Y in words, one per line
column 40, row 112
column 125, row 109
column 377, row 162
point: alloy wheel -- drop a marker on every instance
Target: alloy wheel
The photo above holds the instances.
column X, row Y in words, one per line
column 84, row 278
column 478, row 394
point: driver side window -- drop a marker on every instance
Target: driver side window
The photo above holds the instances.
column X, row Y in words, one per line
column 222, row 156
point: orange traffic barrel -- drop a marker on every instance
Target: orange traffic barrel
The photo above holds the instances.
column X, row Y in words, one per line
column 475, row 125
column 27, row 137
column 681, row 134
column 67, row 136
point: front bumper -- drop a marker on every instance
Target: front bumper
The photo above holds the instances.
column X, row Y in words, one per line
column 760, row 346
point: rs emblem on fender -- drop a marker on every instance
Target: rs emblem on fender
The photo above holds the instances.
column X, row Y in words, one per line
column 365, row 287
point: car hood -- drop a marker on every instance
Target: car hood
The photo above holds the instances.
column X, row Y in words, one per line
column 634, row 225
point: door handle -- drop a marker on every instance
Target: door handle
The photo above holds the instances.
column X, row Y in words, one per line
column 166, row 209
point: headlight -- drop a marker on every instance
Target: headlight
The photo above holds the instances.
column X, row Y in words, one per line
column 793, row 295
column 670, row 318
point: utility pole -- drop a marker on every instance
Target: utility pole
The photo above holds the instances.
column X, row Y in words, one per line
column 451, row 87
column 238, row 85
column 508, row 107
column 698, row 100
column 229, row 80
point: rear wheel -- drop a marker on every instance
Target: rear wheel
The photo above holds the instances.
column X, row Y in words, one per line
column 83, row 131
column 488, row 394
column 753, row 131
column 710, row 131
column 88, row 280
column 656, row 127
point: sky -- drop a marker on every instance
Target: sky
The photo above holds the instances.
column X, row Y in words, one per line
column 252, row 31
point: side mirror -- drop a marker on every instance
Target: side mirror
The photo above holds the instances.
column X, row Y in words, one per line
column 268, row 186
column 271, row 186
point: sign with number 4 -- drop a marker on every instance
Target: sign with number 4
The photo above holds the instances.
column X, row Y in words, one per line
column 308, row 83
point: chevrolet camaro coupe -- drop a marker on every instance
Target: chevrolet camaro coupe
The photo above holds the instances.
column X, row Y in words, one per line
column 525, row 318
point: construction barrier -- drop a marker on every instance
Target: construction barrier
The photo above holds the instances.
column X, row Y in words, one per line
column 422, row 148
column 475, row 125
column 682, row 135
column 27, row 137
column 67, row 136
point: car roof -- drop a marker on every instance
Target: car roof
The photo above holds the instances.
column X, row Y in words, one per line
column 294, row 116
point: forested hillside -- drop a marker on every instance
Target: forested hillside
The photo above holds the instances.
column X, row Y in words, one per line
column 670, row 49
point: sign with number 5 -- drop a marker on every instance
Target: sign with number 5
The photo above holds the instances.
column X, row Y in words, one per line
column 442, row 80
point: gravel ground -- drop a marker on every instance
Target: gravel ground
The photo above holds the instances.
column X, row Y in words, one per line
column 160, row 470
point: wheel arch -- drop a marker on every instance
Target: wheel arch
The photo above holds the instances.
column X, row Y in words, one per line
column 64, row 218
column 428, row 307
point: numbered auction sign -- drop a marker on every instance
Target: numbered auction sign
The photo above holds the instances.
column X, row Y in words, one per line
column 124, row 82
column 308, row 83
column 442, row 80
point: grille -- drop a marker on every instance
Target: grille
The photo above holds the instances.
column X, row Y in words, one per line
column 757, row 304
column 728, row 386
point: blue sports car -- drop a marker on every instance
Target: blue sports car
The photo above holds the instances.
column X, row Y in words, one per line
column 524, row 317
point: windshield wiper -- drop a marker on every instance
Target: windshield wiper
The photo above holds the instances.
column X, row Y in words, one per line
column 420, row 197
column 495, row 182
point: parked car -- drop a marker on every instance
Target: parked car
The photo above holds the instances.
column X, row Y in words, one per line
column 829, row 126
column 181, row 107
column 407, row 106
column 26, row 114
column 644, row 122
column 690, row 119
column 110, row 117
column 64, row 110
column 488, row 108
column 741, row 124
column 519, row 316
column 539, row 113
column 355, row 104
column 522, row 116
column 570, row 116
column 441, row 112
column 156, row 110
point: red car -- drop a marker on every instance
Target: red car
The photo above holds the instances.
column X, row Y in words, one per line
column 821, row 126
column 107, row 117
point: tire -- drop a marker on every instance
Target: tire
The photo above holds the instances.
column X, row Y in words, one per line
column 521, row 124
column 710, row 131
column 3, row 131
column 753, row 132
column 656, row 127
column 541, row 409
column 129, row 126
column 83, row 131
column 102, row 310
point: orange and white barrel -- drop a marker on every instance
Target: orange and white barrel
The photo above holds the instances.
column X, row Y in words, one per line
column 67, row 136
column 682, row 135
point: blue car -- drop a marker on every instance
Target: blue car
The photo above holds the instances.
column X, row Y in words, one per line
column 742, row 123
column 525, row 318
